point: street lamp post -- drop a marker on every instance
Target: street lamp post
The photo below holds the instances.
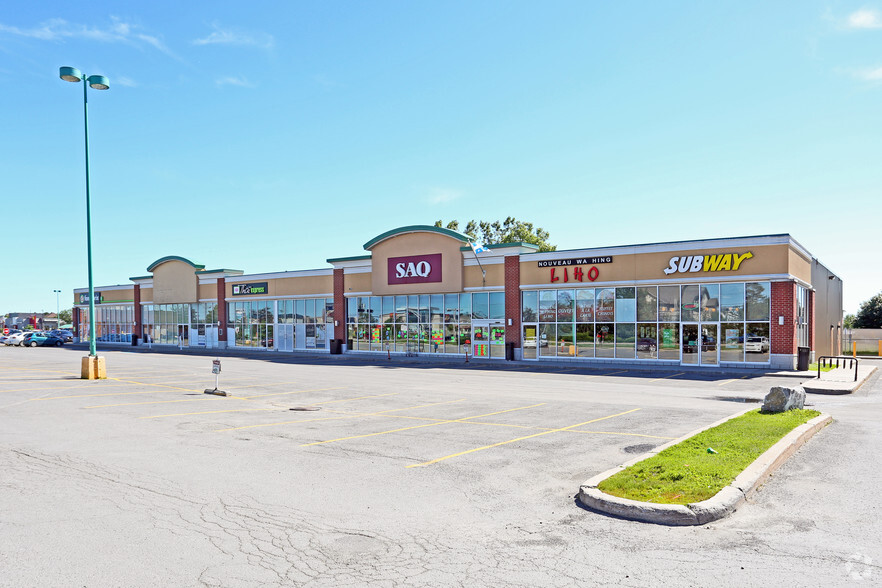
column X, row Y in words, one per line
column 57, row 310
column 94, row 369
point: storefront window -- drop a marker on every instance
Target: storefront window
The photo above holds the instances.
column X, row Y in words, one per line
column 565, row 306
column 604, row 339
column 647, row 304
column 625, row 339
column 647, row 341
column 710, row 302
column 497, row 305
column 757, row 297
column 732, row 302
column 732, row 348
column 584, row 340
column 547, row 306
column 626, row 306
column 530, row 307
column 605, row 308
column 669, row 303
column 547, row 340
column 585, row 305
column 669, row 341
column 566, row 345
column 757, row 343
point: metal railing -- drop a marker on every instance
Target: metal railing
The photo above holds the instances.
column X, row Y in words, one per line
column 826, row 360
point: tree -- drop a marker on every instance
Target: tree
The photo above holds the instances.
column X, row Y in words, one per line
column 510, row 230
column 870, row 314
column 848, row 321
column 65, row 317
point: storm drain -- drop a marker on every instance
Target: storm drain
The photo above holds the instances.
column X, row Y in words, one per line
column 306, row 408
column 641, row 448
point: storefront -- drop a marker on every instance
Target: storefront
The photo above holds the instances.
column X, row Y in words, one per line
column 423, row 290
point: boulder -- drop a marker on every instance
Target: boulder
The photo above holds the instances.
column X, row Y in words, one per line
column 781, row 398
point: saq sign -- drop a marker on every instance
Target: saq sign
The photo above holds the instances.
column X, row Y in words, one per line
column 416, row 269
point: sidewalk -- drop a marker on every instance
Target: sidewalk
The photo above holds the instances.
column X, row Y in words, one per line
column 841, row 380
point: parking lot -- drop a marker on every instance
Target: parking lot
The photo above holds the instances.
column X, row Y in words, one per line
column 323, row 471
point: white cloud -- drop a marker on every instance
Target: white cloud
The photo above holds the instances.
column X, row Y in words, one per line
column 442, row 195
column 865, row 19
column 58, row 29
column 234, row 81
column 230, row 37
column 870, row 74
column 124, row 81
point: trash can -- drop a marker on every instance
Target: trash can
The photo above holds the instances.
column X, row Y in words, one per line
column 802, row 358
column 335, row 346
column 509, row 351
column 134, row 340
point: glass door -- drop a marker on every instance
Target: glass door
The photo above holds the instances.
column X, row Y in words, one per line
column 530, row 341
column 689, row 349
column 710, row 338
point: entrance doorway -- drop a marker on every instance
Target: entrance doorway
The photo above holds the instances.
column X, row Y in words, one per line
column 700, row 343
column 183, row 335
column 488, row 339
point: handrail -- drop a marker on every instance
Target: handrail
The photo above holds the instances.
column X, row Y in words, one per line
column 844, row 358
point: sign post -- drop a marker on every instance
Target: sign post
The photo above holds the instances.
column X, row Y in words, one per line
column 216, row 370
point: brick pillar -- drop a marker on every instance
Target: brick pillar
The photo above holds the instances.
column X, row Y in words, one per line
column 513, row 299
column 136, row 328
column 222, row 311
column 783, row 337
column 75, row 319
column 339, row 305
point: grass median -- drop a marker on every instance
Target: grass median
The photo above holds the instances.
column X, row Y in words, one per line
column 699, row 467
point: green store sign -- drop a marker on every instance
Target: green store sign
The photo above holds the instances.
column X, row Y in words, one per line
column 255, row 289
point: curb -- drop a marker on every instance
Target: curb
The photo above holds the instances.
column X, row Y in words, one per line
column 718, row 506
column 816, row 386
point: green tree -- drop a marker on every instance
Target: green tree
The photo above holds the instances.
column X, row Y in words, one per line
column 65, row 317
column 848, row 321
column 870, row 314
column 510, row 230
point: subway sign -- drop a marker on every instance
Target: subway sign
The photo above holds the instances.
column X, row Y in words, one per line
column 414, row 269
column 723, row 262
column 255, row 289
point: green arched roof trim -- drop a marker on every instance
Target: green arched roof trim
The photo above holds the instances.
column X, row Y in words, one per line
column 162, row 260
column 414, row 229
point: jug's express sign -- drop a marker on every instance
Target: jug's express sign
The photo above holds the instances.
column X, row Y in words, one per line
column 706, row 263
column 415, row 269
column 250, row 289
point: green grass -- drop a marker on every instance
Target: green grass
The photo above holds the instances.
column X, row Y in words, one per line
column 687, row 473
column 813, row 367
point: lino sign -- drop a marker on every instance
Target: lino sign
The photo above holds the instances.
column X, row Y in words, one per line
column 257, row 289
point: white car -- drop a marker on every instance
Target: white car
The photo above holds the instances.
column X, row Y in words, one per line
column 15, row 339
column 756, row 345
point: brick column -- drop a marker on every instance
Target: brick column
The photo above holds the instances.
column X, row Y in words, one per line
column 339, row 305
column 222, row 311
column 513, row 299
column 783, row 337
column 811, row 321
column 136, row 328
column 75, row 319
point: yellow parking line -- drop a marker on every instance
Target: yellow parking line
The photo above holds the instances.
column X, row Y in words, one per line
column 256, row 409
column 157, row 385
column 616, row 433
column 607, row 374
column 106, row 394
column 151, row 402
column 520, row 439
column 420, row 426
column 732, row 380
column 357, row 415
column 666, row 377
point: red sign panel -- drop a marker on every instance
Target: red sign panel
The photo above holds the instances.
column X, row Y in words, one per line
column 414, row 269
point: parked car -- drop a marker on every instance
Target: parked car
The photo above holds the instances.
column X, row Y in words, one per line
column 707, row 344
column 646, row 344
column 67, row 336
column 757, row 345
column 15, row 339
column 3, row 338
column 41, row 339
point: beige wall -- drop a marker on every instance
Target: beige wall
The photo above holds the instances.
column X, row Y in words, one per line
column 356, row 283
column 146, row 295
column 173, row 282
column 768, row 259
column 207, row 291
column 800, row 266
column 305, row 286
column 110, row 296
column 420, row 243
column 495, row 276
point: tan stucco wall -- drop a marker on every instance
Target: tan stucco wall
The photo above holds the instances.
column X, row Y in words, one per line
column 419, row 243
column 800, row 266
column 495, row 276
column 356, row 283
column 207, row 291
column 173, row 282
column 768, row 259
column 110, row 296
column 305, row 286
column 146, row 295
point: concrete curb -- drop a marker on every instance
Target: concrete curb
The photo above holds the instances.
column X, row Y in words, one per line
column 722, row 504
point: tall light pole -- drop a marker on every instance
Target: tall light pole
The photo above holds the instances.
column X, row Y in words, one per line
column 57, row 310
column 96, row 82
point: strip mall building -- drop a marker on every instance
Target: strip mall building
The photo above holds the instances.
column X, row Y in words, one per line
column 424, row 290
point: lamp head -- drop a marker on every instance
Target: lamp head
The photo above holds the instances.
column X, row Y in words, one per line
column 70, row 74
column 98, row 82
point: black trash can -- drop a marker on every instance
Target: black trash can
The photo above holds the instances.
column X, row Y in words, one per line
column 802, row 358
column 336, row 345
column 134, row 340
column 509, row 351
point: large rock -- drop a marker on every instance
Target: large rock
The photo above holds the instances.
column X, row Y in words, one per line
column 781, row 398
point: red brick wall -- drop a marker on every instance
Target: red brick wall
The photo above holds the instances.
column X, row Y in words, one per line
column 784, row 304
column 339, row 305
column 222, row 309
column 137, row 327
column 513, row 299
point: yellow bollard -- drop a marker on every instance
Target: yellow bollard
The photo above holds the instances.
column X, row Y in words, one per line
column 854, row 348
column 93, row 368
column 880, row 347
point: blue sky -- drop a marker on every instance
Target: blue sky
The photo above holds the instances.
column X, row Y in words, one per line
column 271, row 136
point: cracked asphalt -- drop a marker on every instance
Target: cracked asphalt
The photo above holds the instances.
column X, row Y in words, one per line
column 316, row 472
